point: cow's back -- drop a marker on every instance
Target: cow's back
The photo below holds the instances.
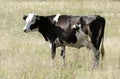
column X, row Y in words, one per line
column 65, row 22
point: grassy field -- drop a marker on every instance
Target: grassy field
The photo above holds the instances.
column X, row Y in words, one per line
column 27, row 56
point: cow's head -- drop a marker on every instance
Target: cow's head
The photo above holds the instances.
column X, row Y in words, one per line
column 31, row 22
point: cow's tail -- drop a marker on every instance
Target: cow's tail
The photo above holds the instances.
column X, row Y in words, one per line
column 102, row 49
column 102, row 39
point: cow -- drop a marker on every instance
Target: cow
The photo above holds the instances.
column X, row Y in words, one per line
column 68, row 30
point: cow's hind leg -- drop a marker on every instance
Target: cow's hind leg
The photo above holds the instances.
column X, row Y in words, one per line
column 63, row 54
column 96, row 58
column 53, row 52
column 96, row 55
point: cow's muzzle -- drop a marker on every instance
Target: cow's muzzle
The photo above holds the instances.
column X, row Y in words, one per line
column 25, row 30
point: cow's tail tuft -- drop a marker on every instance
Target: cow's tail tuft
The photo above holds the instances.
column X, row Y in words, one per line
column 102, row 49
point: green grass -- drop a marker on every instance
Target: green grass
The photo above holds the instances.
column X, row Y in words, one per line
column 27, row 56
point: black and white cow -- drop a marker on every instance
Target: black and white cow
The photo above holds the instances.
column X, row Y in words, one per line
column 65, row 30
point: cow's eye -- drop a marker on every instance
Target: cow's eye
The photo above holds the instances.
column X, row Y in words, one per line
column 32, row 20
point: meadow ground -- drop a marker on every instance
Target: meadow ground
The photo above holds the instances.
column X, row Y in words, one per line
column 27, row 56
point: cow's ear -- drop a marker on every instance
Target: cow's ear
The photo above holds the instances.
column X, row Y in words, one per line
column 37, row 17
column 24, row 17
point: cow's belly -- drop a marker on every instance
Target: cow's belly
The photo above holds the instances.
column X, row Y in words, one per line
column 82, row 40
column 80, row 43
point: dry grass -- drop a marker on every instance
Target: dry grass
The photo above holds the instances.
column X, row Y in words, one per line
column 27, row 56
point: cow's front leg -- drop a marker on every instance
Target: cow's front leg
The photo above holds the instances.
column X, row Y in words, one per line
column 63, row 54
column 53, row 52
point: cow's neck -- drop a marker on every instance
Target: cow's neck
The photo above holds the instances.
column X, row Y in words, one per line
column 46, row 28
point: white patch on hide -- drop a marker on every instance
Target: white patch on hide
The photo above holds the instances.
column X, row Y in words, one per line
column 80, row 34
column 82, row 39
column 77, row 25
column 56, row 17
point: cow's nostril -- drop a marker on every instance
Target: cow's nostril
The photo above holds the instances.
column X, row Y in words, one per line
column 25, row 30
